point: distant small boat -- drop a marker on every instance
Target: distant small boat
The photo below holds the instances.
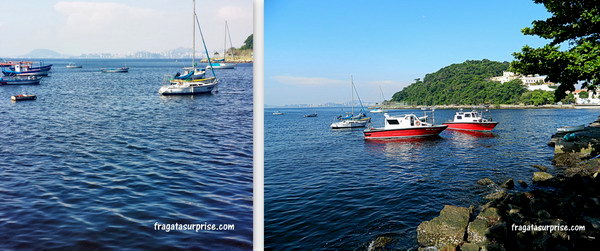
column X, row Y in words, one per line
column 220, row 66
column 116, row 70
column 22, row 97
column 73, row 65
column 223, row 65
column 570, row 128
column 310, row 115
column 277, row 113
column 378, row 110
column 18, row 80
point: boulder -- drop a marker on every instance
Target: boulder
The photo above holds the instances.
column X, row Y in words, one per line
column 522, row 183
column 380, row 243
column 485, row 182
column 469, row 247
column 448, row 228
column 495, row 196
column 477, row 230
column 508, row 184
column 541, row 168
column 541, row 176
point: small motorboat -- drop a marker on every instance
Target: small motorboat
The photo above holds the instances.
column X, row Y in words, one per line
column 20, row 80
column 471, row 121
column 310, row 115
column 22, row 97
column 73, row 66
column 26, row 69
column 116, row 70
column 277, row 113
column 570, row 128
column 378, row 110
column 404, row 126
column 350, row 123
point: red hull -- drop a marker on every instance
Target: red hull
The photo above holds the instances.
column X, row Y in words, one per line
column 403, row 133
column 472, row 126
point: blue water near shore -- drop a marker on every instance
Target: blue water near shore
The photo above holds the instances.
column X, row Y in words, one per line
column 331, row 189
column 98, row 158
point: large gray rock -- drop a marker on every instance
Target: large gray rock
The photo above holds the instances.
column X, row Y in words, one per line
column 469, row 247
column 541, row 176
column 495, row 196
column 485, row 182
column 380, row 243
column 541, row 168
column 447, row 229
column 478, row 230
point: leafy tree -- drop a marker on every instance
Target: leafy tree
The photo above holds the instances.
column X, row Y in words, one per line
column 574, row 24
column 539, row 97
column 569, row 99
column 248, row 43
column 584, row 94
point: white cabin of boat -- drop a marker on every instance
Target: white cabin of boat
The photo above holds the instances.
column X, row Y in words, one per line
column 468, row 117
column 404, row 121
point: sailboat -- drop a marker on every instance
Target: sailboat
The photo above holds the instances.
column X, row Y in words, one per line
column 223, row 65
column 351, row 120
column 379, row 109
column 192, row 85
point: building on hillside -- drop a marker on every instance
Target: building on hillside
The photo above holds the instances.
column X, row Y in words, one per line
column 593, row 97
column 533, row 82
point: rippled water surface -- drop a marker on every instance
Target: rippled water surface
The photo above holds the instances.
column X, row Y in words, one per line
column 98, row 158
column 330, row 189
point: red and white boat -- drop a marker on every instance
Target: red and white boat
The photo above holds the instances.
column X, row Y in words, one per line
column 471, row 121
column 404, row 126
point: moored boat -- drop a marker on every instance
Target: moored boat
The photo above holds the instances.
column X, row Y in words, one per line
column 277, row 113
column 116, row 70
column 191, row 83
column 404, row 126
column 471, row 121
column 351, row 120
column 378, row 110
column 570, row 128
column 310, row 115
column 20, row 80
column 73, row 66
column 220, row 64
column 22, row 97
column 26, row 69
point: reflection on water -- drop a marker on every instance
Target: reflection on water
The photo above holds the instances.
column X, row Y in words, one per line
column 402, row 149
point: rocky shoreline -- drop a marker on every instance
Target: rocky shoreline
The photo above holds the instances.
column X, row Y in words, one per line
column 546, row 214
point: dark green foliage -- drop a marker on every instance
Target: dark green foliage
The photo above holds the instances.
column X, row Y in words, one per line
column 575, row 24
column 248, row 43
column 584, row 94
column 465, row 84
column 569, row 99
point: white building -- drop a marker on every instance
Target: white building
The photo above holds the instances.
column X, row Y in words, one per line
column 533, row 82
column 593, row 97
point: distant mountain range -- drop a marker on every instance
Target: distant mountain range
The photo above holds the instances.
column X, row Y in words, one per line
column 175, row 53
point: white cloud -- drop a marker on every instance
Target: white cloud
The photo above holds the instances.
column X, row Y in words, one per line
column 84, row 16
column 233, row 13
column 291, row 80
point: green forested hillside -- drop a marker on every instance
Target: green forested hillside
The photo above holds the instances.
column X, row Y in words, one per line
column 463, row 84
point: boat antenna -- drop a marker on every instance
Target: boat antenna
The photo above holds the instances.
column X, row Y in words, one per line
column 205, row 49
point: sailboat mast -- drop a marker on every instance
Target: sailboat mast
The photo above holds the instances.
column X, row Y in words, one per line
column 194, row 35
column 225, row 43
column 352, row 90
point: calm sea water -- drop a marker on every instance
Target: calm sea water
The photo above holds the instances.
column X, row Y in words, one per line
column 331, row 189
column 98, row 158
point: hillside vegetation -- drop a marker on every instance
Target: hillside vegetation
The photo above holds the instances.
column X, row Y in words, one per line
column 464, row 84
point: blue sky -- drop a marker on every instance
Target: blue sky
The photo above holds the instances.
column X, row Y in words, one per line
column 118, row 26
column 313, row 46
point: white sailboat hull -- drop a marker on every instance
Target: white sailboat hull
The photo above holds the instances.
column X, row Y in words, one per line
column 349, row 124
column 221, row 66
column 187, row 88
